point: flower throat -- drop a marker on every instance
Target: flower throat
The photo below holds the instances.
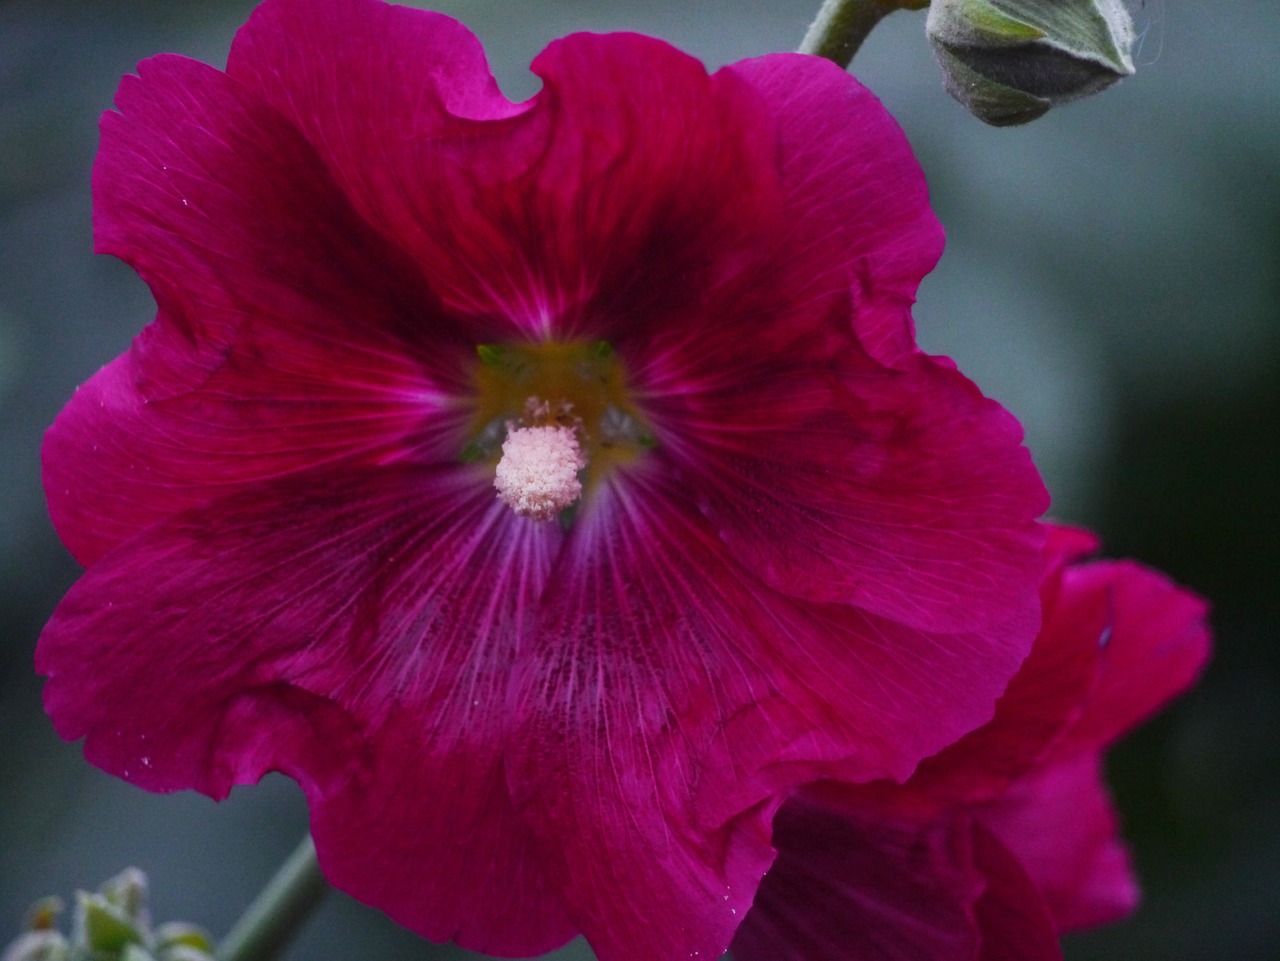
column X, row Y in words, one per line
column 552, row 418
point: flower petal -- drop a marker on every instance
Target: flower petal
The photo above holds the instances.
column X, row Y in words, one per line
column 286, row 339
column 230, row 216
column 374, row 63
column 627, row 168
column 171, row 426
column 856, row 205
column 903, row 492
column 1065, row 545
column 1153, row 644
column 669, row 698
column 355, row 631
column 1042, row 701
column 1060, row 825
column 1014, row 920
column 854, row 885
column 856, row 473
column 429, row 835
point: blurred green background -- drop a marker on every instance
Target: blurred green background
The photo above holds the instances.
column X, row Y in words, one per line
column 1112, row 276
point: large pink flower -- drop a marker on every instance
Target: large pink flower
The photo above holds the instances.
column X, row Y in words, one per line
column 1006, row 839
column 748, row 534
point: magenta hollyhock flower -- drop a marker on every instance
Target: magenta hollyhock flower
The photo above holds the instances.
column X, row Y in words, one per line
column 1006, row 839
column 547, row 487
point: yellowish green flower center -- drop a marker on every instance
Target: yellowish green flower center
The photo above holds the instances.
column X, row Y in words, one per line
column 552, row 419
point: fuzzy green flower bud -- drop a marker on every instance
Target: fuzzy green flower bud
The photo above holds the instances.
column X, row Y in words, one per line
column 40, row 945
column 1009, row 61
column 111, row 924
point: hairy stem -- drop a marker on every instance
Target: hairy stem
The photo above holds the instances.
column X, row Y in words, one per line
column 841, row 25
column 279, row 910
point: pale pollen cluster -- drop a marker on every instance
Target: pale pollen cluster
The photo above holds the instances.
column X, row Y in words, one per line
column 537, row 476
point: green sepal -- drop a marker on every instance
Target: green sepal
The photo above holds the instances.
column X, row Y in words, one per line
column 104, row 927
column 127, row 892
column 981, row 22
column 1099, row 30
column 180, row 934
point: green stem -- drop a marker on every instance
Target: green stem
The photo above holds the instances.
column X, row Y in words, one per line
column 841, row 25
column 279, row 910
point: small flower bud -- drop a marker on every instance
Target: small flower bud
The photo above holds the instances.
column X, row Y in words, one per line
column 43, row 915
column 112, row 924
column 38, row 945
column 1009, row 61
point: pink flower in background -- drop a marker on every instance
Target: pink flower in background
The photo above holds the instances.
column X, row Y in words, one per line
column 744, row 534
column 1006, row 839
